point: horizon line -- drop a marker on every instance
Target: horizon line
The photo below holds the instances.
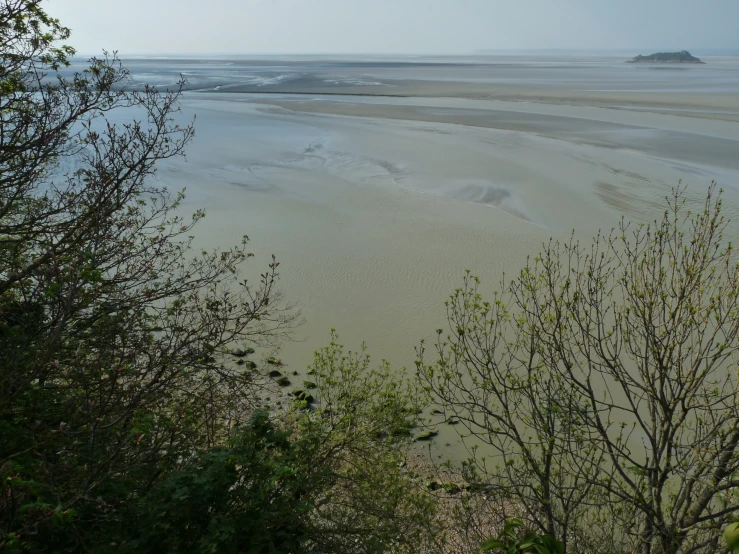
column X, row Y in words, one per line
column 482, row 51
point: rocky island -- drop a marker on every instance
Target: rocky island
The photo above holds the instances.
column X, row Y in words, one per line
column 666, row 57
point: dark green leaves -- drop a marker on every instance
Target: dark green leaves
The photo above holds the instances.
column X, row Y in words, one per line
column 514, row 539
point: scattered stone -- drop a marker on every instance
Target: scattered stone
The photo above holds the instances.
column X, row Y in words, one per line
column 426, row 436
column 303, row 396
column 275, row 373
column 295, row 373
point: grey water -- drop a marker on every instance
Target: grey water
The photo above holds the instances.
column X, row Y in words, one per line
column 582, row 73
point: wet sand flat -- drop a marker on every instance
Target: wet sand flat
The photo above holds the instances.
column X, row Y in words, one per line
column 719, row 106
column 378, row 182
column 376, row 210
column 659, row 134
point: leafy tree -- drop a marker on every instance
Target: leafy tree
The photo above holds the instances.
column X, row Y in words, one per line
column 602, row 383
column 365, row 415
column 111, row 326
column 323, row 480
column 124, row 422
column 252, row 495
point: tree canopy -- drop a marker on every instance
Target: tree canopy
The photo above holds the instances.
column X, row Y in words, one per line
column 603, row 381
column 122, row 415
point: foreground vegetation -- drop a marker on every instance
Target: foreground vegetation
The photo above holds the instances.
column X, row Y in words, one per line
column 597, row 390
column 604, row 379
column 124, row 423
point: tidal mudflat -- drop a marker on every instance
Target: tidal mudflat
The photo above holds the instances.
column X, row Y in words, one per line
column 377, row 182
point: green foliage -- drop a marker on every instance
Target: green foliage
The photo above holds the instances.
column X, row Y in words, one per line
column 126, row 424
column 111, row 325
column 127, row 418
column 602, row 383
column 377, row 506
column 319, row 481
column 254, row 495
column 731, row 536
column 514, row 539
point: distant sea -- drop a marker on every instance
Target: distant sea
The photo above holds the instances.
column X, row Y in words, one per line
column 370, row 74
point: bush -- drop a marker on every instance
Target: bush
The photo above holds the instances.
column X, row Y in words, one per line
column 319, row 481
column 601, row 380
column 113, row 331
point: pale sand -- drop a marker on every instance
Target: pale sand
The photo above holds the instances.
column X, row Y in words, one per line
column 335, row 198
column 695, row 104
column 375, row 207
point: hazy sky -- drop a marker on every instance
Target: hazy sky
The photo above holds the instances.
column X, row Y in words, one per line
column 395, row 26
